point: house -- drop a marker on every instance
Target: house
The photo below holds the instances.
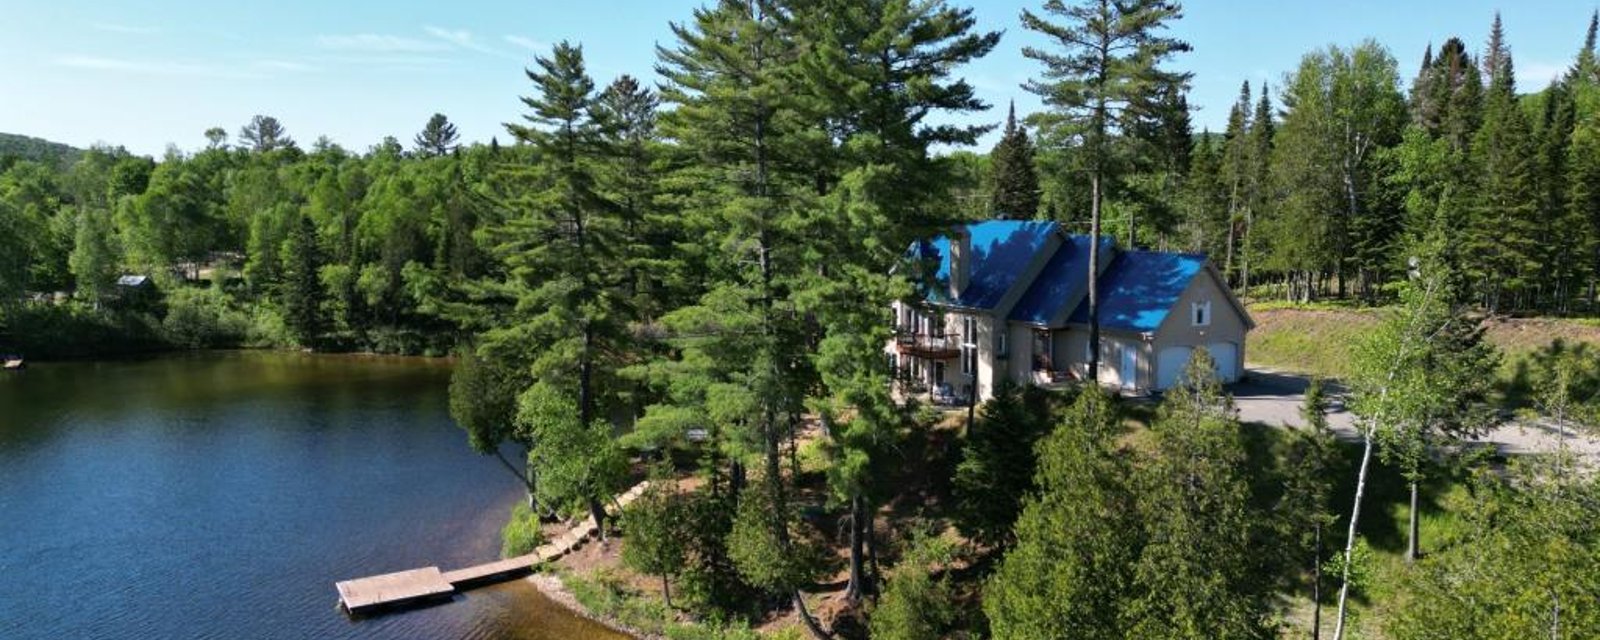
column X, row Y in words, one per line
column 1008, row 299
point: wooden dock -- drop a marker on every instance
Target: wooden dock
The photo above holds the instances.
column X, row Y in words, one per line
column 402, row 588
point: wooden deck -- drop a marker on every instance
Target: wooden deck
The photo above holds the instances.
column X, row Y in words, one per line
column 393, row 588
column 406, row 587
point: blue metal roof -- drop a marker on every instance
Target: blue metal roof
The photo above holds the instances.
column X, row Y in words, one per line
column 1138, row 288
column 1061, row 281
column 1001, row 252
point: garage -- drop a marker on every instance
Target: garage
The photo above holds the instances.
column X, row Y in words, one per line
column 1226, row 355
column 1169, row 366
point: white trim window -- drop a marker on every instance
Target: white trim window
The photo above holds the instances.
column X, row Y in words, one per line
column 969, row 331
column 1200, row 313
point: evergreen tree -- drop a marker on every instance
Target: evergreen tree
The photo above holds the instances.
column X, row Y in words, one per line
column 438, row 137
column 1505, row 228
column 1103, row 73
column 1234, row 171
column 301, row 290
column 874, row 72
column 1199, row 572
column 1071, row 572
column 630, row 179
column 563, row 250
column 264, row 133
column 1015, row 181
column 656, row 533
column 997, row 463
column 735, row 119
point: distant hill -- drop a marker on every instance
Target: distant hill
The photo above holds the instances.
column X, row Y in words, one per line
column 38, row 150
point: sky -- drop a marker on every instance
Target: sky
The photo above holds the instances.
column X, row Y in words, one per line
column 147, row 74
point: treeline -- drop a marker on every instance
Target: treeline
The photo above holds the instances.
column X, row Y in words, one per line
column 256, row 242
column 1319, row 185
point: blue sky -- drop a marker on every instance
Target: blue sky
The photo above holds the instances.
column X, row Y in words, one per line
column 145, row 74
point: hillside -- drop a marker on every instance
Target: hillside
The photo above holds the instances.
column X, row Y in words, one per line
column 1320, row 341
column 38, row 150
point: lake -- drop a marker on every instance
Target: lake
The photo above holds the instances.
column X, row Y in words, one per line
column 221, row 494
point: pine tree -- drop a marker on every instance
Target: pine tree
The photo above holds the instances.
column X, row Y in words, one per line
column 1015, row 190
column 1235, row 170
column 735, row 118
column 437, row 138
column 301, row 290
column 1505, row 228
column 1198, row 573
column 862, row 63
column 1071, row 572
column 562, row 250
column 264, row 133
column 1258, row 187
column 630, row 179
column 997, row 464
column 1102, row 72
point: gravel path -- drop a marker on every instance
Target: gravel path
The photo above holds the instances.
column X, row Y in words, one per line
column 1274, row 398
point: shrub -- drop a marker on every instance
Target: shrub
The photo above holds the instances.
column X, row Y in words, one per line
column 199, row 318
column 522, row 534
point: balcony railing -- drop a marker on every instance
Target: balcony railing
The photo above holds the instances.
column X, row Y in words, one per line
column 934, row 345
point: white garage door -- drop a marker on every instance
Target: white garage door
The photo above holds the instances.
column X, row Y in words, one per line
column 1169, row 366
column 1226, row 354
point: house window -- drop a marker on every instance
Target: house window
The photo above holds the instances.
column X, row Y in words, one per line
column 1200, row 312
column 1001, row 349
column 938, row 372
column 969, row 360
column 969, row 330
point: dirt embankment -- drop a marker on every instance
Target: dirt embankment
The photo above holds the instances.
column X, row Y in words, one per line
column 1322, row 341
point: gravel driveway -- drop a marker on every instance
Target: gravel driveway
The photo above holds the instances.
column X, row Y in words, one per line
column 1274, row 398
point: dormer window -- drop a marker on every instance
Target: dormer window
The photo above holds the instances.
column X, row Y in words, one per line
column 1200, row 313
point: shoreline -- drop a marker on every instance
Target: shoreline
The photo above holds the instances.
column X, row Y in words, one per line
column 553, row 588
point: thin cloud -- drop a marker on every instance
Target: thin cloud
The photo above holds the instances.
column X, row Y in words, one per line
column 113, row 27
column 151, row 67
column 379, row 43
column 525, row 43
column 462, row 38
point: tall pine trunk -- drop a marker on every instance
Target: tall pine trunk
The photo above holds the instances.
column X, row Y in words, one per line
column 1094, row 294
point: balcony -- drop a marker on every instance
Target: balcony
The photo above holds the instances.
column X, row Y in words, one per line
column 925, row 345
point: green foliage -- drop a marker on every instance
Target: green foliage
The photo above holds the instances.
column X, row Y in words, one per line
column 657, row 534
column 1200, row 573
column 301, row 290
column 1014, row 182
column 522, row 534
column 1527, row 566
column 915, row 604
column 758, row 546
column 199, row 318
column 997, row 462
column 1072, row 569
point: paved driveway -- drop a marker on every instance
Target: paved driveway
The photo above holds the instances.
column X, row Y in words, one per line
column 1274, row 398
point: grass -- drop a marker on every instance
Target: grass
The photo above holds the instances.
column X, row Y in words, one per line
column 521, row 534
column 607, row 594
column 1318, row 340
column 1308, row 341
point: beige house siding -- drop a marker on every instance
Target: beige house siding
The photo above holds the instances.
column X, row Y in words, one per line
column 1227, row 324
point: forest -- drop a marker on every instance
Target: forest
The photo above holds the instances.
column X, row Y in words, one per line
column 686, row 275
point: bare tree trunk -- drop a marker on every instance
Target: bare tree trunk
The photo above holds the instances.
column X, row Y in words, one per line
column 1412, row 543
column 1094, row 294
column 857, row 585
column 1316, row 588
column 1350, row 540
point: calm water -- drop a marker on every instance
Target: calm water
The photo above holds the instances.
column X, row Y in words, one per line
column 221, row 495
